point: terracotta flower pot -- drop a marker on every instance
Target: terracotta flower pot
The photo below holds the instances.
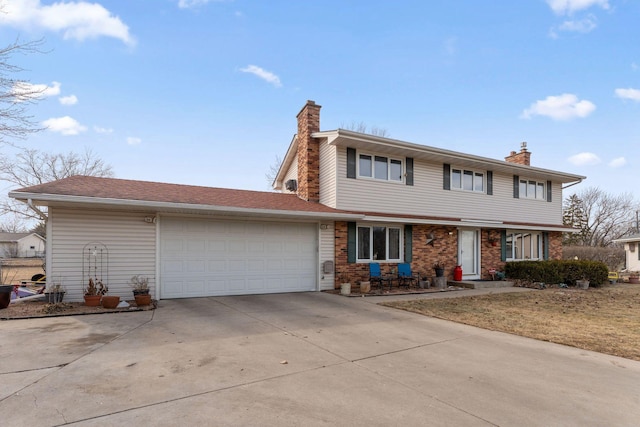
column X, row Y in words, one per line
column 92, row 300
column 142, row 299
column 109, row 301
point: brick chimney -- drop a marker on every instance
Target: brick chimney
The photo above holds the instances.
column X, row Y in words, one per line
column 309, row 153
column 521, row 158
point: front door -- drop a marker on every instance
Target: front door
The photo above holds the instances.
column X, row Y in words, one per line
column 469, row 253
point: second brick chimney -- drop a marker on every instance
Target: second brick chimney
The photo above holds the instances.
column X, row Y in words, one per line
column 521, row 158
column 309, row 153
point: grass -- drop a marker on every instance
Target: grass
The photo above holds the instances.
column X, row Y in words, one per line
column 605, row 319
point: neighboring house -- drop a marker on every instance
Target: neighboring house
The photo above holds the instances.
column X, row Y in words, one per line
column 631, row 251
column 21, row 245
column 346, row 199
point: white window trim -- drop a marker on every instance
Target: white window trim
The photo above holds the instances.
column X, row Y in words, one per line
column 387, row 227
column 373, row 168
column 540, row 238
column 537, row 183
column 474, row 172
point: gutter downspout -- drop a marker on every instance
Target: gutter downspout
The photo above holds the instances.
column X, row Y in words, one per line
column 572, row 184
column 41, row 214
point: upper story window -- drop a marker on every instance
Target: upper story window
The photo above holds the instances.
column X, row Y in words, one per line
column 378, row 243
column 532, row 189
column 467, row 180
column 379, row 167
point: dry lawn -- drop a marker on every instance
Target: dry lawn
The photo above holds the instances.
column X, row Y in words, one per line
column 605, row 319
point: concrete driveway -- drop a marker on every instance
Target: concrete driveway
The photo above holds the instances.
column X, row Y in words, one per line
column 299, row 359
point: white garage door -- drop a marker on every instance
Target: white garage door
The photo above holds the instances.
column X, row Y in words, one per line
column 211, row 258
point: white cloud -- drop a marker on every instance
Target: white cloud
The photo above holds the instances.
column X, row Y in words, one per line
column 65, row 125
column 265, row 75
column 76, row 20
column 68, row 100
column 131, row 140
column 635, row 66
column 584, row 159
column 562, row 107
column 633, row 94
column 98, row 129
column 585, row 25
column 618, row 162
column 24, row 91
column 187, row 4
column 567, row 7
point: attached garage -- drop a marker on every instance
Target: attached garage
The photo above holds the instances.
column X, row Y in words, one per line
column 204, row 257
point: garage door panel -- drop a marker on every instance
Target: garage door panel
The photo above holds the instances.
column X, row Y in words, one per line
column 210, row 258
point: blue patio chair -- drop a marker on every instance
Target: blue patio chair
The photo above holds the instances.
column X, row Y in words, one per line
column 375, row 275
column 405, row 276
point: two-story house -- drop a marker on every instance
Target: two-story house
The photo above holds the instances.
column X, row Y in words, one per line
column 345, row 199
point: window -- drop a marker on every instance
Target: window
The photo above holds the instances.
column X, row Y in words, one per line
column 467, row 180
column 524, row 245
column 378, row 243
column 379, row 167
column 532, row 190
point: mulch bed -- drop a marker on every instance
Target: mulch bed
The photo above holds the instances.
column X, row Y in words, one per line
column 36, row 309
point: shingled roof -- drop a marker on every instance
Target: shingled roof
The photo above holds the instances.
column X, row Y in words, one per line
column 145, row 191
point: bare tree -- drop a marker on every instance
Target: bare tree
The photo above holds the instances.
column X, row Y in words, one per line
column 603, row 217
column 270, row 176
column 16, row 94
column 362, row 128
column 32, row 167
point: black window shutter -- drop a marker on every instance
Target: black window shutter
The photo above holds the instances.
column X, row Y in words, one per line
column 351, row 242
column 490, row 183
column 446, row 176
column 409, row 164
column 503, row 245
column 408, row 243
column 545, row 245
column 516, row 187
column 351, row 162
column 548, row 191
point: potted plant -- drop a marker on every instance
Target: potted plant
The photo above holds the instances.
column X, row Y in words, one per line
column 5, row 287
column 438, row 267
column 54, row 294
column 140, row 285
column 345, row 284
column 93, row 292
column 582, row 283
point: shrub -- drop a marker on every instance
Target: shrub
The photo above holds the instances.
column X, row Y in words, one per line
column 558, row 271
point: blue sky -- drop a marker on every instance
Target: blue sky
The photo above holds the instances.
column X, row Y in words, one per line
column 206, row 92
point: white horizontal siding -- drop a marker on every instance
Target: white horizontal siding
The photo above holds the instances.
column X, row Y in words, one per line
column 328, row 175
column 292, row 173
column 427, row 197
column 327, row 253
column 131, row 244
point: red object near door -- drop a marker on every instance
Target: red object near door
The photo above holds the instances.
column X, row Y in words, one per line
column 457, row 273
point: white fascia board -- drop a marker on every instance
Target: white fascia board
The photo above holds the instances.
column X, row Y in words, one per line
column 169, row 206
column 627, row 239
column 334, row 138
column 286, row 162
column 467, row 224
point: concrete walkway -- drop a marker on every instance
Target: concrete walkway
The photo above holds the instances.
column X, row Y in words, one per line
column 305, row 359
